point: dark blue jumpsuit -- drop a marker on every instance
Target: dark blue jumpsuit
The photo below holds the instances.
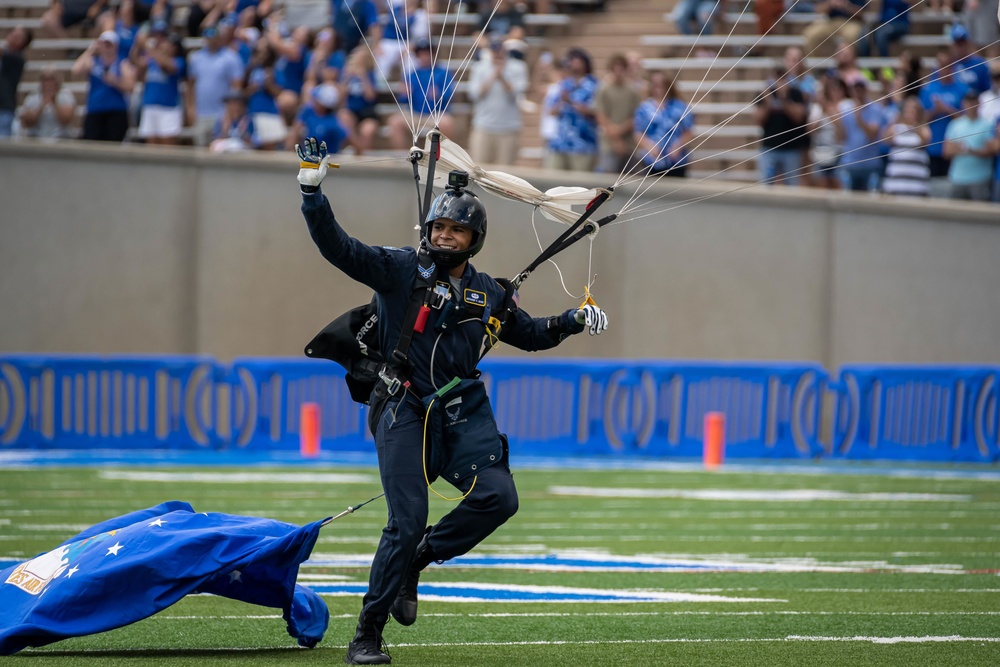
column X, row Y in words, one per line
column 397, row 422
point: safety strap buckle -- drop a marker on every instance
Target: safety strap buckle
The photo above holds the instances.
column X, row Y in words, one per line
column 393, row 383
column 439, row 297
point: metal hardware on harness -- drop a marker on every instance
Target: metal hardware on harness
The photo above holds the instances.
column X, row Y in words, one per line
column 439, row 297
column 392, row 383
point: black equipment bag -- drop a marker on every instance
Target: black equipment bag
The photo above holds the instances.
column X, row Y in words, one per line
column 352, row 341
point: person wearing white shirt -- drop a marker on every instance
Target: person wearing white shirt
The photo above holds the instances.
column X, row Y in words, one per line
column 496, row 86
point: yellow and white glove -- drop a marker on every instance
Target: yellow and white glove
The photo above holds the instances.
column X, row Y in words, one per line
column 313, row 164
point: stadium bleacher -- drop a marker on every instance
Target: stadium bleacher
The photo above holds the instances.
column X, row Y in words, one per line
column 734, row 67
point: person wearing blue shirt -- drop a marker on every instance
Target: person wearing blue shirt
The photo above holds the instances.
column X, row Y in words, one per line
column 574, row 146
column 235, row 130
column 861, row 128
column 969, row 146
column 892, row 24
column 162, row 66
column 111, row 81
column 319, row 118
column 126, row 27
column 290, row 67
column 428, row 92
column 214, row 70
column 664, row 127
column 970, row 68
column 437, row 372
column 359, row 117
column 353, row 21
column 941, row 98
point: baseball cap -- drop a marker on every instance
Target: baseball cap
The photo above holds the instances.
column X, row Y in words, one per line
column 210, row 31
column 421, row 45
column 326, row 95
column 159, row 25
column 959, row 33
column 233, row 96
column 109, row 36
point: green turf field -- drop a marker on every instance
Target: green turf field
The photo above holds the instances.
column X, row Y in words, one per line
column 852, row 568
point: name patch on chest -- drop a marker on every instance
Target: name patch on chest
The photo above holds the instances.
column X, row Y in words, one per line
column 475, row 298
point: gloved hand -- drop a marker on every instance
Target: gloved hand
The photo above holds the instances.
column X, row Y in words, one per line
column 592, row 316
column 313, row 163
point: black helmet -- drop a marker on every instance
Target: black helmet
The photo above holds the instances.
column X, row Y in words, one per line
column 464, row 207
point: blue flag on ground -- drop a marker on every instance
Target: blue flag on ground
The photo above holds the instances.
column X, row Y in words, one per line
column 126, row 569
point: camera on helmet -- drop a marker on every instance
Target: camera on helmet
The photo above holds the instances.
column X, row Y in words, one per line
column 458, row 179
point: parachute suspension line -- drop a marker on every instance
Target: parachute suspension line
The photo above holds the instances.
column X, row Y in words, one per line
column 538, row 240
column 627, row 171
column 379, row 67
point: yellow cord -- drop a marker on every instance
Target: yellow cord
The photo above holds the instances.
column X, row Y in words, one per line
column 423, row 452
column 588, row 300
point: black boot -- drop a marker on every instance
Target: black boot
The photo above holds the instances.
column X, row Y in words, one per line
column 404, row 607
column 367, row 647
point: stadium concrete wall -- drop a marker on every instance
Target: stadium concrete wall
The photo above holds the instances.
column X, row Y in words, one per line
column 123, row 249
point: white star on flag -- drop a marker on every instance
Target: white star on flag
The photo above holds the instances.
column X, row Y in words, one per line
column 71, row 572
column 114, row 549
column 158, row 522
column 235, row 575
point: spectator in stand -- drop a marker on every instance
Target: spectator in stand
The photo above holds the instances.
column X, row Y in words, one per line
column 65, row 14
column 794, row 61
column 48, row 113
column 359, row 117
column 152, row 10
column 861, row 128
column 161, row 64
column 912, row 73
column 428, row 89
column 970, row 68
column 664, row 127
column 326, row 61
column 575, row 145
column 908, row 171
column 214, row 71
column 969, row 146
column 319, row 119
column 404, row 20
column 355, row 21
column 982, row 17
column 892, row 24
column 120, row 19
column 825, row 147
column 495, row 87
column 110, row 83
column 768, row 12
column 551, row 75
column 941, row 98
column 261, row 89
column 614, row 105
column 203, row 14
column 695, row 17
column 506, row 23
column 11, row 69
column 228, row 37
column 235, row 131
column 839, row 18
column 111, row 80
column 290, row 67
column 782, row 113
column 846, row 58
